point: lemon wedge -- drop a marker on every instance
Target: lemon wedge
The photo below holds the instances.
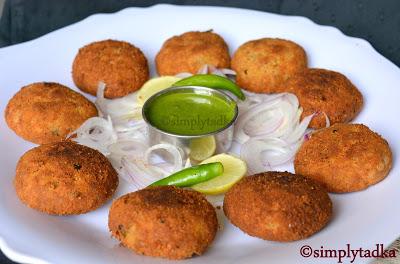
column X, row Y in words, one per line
column 202, row 148
column 153, row 86
column 234, row 170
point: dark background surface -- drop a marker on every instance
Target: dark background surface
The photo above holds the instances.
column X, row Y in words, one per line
column 376, row 21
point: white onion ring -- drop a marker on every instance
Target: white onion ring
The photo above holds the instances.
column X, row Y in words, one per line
column 209, row 69
column 97, row 133
column 138, row 173
column 227, row 71
column 171, row 149
column 243, row 119
column 299, row 131
column 270, row 130
column 262, row 155
column 188, row 163
column 127, row 148
column 133, row 130
column 216, row 71
column 203, row 69
column 327, row 121
column 100, row 100
column 119, row 109
column 183, row 75
column 251, row 152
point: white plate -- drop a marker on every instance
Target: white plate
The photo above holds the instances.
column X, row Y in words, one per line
column 361, row 219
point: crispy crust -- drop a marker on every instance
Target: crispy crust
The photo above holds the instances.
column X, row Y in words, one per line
column 164, row 222
column 120, row 65
column 190, row 51
column 264, row 65
column 320, row 90
column 47, row 112
column 344, row 158
column 278, row 206
column 64, row 178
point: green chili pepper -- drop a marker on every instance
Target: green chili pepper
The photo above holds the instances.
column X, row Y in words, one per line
column 212, row 81
column 193, row 175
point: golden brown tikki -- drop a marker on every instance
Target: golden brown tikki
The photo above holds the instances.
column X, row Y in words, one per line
column 264, row 65
column 64, row 178
column 344, row 158
column 190, row 51
column 322, row 91
column 120, row 65
column 278, row 206
column 165, row 222
column 47, row 112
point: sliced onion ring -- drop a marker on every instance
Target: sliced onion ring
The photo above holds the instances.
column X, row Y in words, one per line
column 270, row 130
column 171, row 149
column 183, row 75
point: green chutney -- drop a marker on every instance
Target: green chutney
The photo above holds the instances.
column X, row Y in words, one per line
column 189, row 113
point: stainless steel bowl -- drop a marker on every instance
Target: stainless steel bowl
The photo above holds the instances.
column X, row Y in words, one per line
column 223, row 137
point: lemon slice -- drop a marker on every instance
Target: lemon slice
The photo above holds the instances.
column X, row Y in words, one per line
column 202, row 148
column 153, row 86
column 234, row 170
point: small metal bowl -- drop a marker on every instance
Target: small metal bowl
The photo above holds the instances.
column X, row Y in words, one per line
column 223, row 137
